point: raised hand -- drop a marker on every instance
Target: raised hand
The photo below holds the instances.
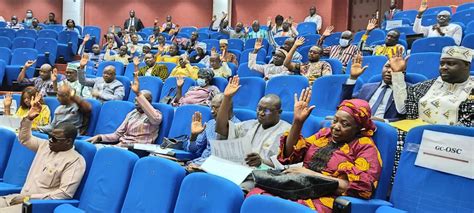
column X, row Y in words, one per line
column 135, row 84
column 196, row 125
column 214, row 17
column 54, row 75
column 328, row 31
column 95, row 93
column 152, row 39
column 302, row 110
column 423, row 6
column 247, row 29
column 35, row 108
column 179, row 81
column 110, row 45
column 258, row 44
column 397, row 62
column 7, row 101
column 356, row 67
column 232, row 87
column 213, row 51
column 29, row 63
column 136, row 61
column 269, row 21
column 224, row 15
column 84, row 60
column 87, row 37
column 299, row 41
column 371, row 25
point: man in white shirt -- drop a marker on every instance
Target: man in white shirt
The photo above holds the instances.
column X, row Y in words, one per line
column 313, row 17
column 442, row 28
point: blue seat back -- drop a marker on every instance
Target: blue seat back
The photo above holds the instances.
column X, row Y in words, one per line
column 326, row 94
column 310, row 127
column 5, row 42
column 188, row 30
column 281, row 40
column 112, row 115
column 5, row 55
column 250, row 43
column 170, row 83
column 235, row 44
column 3, row 24
column 94, row 116
column 305, row 28
column 249, row 85
column 126, row 85
column 336, row 65
column 50, row 45
column 195, row 185
column 129, row 70
column 426, row 64
column 374, row 35
column 119, row 69
column 203, row 36
column 150, row 83
column 332, row 39
column 428, row 20
column 167, row 113
column 27, row 33
column 265, row 203
column 285, row 87
column 182, row 119
column 375, row 65
column 211, row 43
column 220, row 83
column 244, row 57
column 18, row 164
column 245, row 114
column 154, row 186
column 469, row 28
column 3, row 66
column 311, row 39
column 52, row 103
column 55, row 27
column 419, row 189
column 107, row 183
column 10, row 33
column 204, row 30
column 6, row 143
column 304, row 53
column 405, row 30
column 465, row 6
column 23, row 42
column 431, row 44
column 87, row 150
column 47, row 33
column 64, row 37
column 468, row 41
column 94, row 32
column 408, row 14
column 21, row 55
column 436, row 10
column 245, row 71
column 464, row 17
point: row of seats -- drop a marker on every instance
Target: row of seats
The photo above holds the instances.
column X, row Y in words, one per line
column 149, row 184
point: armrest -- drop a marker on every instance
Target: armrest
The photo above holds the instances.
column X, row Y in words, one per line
column 183, row 155
column 344, row 204
column 45, row 205
column 388, row 209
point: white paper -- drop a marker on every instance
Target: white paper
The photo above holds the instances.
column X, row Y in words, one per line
column 229, row 170
column 234, row 150
column 152, row 148
column 10, row 122
column 278, row 165
column 393, row 24
column 453, row 154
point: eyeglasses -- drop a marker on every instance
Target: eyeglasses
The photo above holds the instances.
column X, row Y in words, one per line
column 54, row 139
column 265, row 111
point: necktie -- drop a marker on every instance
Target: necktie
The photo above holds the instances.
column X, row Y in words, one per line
column 379, row 100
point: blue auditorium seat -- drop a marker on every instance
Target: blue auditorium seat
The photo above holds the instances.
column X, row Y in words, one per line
column 250, row 43
column 49, row 46
column 375, row 65
column 311, row 126
column 167, row 113
column 281, row 40
column 408, row 14
column 305, row 28
column 170, row 83
column 126, row 85
column 235, row 44
column 119, row 68
column 27, row 33
column 426, row 64
column 220, row 83
column 52, row 103
column 468, row 40
column 182, row 119
column 286, row 87
column 46, row 33
column 465, row 6
column 428, row 20
column 6, row 143
column 436, row 10
column 129, row 70
column 210, row 43
column 431, row 44
column 411, row 78
column 245, row 71
column 323, row 94
column 374, row 35
column 150, row 83
column 249, row 93
column 94, row 116
column 112, row 115
column 244, row 57
column 10, row 33
column 23, row 42
column 265, row 203
column 19, row 57
column 68, row 44
column 245, row 114
column 5, row 42
column 332, row 39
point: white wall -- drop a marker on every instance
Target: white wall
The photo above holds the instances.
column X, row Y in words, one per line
column 221, row 5
column 73, row 9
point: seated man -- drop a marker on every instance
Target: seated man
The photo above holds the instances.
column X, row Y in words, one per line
column 151, row 68
column 344, row 51
column 442, row 28
column 191, row 43
column 445, row 100
column 391, row 42
column 379, row 95
column 141, row 124
column 120, row 57
column 168, row 25
column 263, row 134
column 95, row 56
column 56, row 163
column 104, row 88
column 72, row 82
column 221, row 69
column 13, row 24
column 288, row 29
column 312, row 69
column 201, row 94
column 134, row 48
column 227, row 56
column 185, row 69
column 199, row 143
column 43, row 83
column 276, row 68
column 73, row 110
column 200, row 56
column 146, row 49
column 35, row 25
column 256, row 31
column 173, row 55
column 238, row 32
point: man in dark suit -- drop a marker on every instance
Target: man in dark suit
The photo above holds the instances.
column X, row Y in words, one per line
column 379, row 94
column 388, row 15
column 133, row 21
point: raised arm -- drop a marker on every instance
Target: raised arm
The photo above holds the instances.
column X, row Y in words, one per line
column 222, row 118
column 24, row 135
column 288, row 64
column 398, row 65
column 153, row 115
column 22, row 73
column 81, row 74
column 179, row 88
column 417, row 27
column 253, row 57
column 325, row 34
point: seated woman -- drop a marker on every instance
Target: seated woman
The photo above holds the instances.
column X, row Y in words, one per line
column 200, row 56
column 71, row 26
column 27, row 96
column 185, row 69
column 344, row 152
column 201, row 94
column 172, row 56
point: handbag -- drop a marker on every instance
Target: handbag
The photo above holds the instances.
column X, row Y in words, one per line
column 294, row 186
column 174, row 143
column 168, row 98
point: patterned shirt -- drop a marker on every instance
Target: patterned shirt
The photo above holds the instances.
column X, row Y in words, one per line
column 41, row 85
column 137, row 127
column 380, row 49
column 259, row 34
column 158, row 70
column 16, row 26
column 312, row 71
column 223, row 71
column 201, row 147
column 42, row 119
column 65, row 114
column 188, row 71
column 108, row 91
column 268, row 70
column 342, row 54
column 122, row 59
column 81, row 90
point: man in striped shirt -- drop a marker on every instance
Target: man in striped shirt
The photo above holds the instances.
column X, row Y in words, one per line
column 345, row 51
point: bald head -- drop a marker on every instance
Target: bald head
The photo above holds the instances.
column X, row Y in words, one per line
column 109, row 74
column 272, row 99
column 269, row 110
column 63, row 94
column 346, row 34
column 45, row 72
